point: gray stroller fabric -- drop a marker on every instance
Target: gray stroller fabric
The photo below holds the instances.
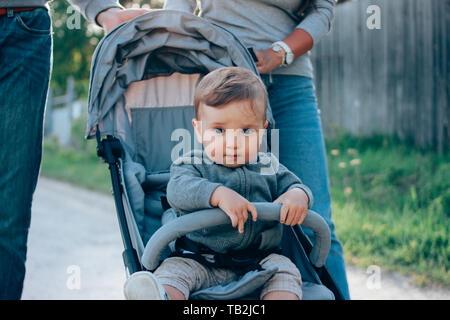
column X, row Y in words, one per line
column 155, row 135
column 247, row 285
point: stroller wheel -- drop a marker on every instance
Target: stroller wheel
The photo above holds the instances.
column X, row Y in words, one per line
column 143, row 285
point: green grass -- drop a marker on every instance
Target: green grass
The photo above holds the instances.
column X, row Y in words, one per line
column 391, row 206
column 391, row 202
column 80, row 167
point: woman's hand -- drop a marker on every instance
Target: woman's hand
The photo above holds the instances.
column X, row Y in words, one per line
column 300, row 42
column 294, row 206
column 268, row 60
column 111, row 18
column 234, row 205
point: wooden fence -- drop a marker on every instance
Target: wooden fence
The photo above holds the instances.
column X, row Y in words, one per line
column 393, row 80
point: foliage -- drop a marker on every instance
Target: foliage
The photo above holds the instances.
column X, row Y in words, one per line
column 74, row 43
column 391, row 205
column 77, row 164
column 72, row 48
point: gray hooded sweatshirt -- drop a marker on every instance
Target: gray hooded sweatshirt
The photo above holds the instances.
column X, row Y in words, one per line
column 193, row 179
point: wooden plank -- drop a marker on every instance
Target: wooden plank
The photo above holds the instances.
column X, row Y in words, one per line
column 393, row 34
column 383, row 67
column 339, row 62
column 376, row 63
column 435, row 72
column 349, row 44
column 366, row 113
column 444, row 75
column 417, row 65
column 410, row 58
column 428, row 80
column 333, row 46
column 360, row 74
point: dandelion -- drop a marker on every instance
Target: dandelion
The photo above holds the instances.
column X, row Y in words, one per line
column 342, row 165
column 335, row 152
column 352, row 151
column 355, row 162
column 348, row 191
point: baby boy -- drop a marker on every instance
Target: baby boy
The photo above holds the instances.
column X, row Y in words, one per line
column 230, row 173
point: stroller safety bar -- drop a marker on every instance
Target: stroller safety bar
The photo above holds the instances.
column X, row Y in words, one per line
column 213, row 217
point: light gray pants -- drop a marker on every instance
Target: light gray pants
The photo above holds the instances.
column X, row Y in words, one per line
column 188, row 275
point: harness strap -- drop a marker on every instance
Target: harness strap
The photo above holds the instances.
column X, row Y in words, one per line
column 239, row 261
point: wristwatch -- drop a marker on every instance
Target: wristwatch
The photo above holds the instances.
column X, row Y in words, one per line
column 286, row 52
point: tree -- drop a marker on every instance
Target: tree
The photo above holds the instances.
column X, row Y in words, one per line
column 74, row 43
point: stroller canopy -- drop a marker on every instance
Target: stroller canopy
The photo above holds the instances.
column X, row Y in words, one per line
column 157, row 43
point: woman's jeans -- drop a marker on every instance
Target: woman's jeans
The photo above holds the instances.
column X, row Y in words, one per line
column 25, row 63
column 302, row 150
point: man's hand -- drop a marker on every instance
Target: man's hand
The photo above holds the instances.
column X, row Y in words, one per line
column 294, row 206
column 234, row 205
column 111, row 18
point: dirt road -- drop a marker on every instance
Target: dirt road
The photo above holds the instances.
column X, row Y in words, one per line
column 75, row 252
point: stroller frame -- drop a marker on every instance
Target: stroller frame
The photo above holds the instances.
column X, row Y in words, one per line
column 114, row 151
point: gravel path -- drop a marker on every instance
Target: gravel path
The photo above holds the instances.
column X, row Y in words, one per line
column 75, row 252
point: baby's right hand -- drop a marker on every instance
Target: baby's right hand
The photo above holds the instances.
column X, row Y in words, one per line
column 234, row 205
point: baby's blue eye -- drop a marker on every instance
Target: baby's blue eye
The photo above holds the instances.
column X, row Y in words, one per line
column 248, row 130
column 218, row 130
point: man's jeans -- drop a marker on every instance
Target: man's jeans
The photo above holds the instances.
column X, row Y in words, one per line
column 25, row 60
column 302, row 150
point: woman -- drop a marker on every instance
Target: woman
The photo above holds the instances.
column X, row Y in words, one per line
column 282, row 32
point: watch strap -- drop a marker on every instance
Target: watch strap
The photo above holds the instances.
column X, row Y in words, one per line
column 286, row 49
column 279, row 49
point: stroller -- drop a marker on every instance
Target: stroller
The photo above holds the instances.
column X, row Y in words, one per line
column 142, row 81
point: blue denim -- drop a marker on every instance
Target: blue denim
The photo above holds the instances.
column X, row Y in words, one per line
column 25, row 63
column 302, row 150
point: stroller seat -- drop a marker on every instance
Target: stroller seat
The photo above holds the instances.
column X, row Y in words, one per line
column 158, row 239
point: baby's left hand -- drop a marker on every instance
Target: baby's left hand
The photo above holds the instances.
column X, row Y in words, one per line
column 294, row 206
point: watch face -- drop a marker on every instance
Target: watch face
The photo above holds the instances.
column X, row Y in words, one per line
column 276, row 48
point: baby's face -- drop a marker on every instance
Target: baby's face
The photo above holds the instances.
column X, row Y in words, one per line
column 231, row 134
